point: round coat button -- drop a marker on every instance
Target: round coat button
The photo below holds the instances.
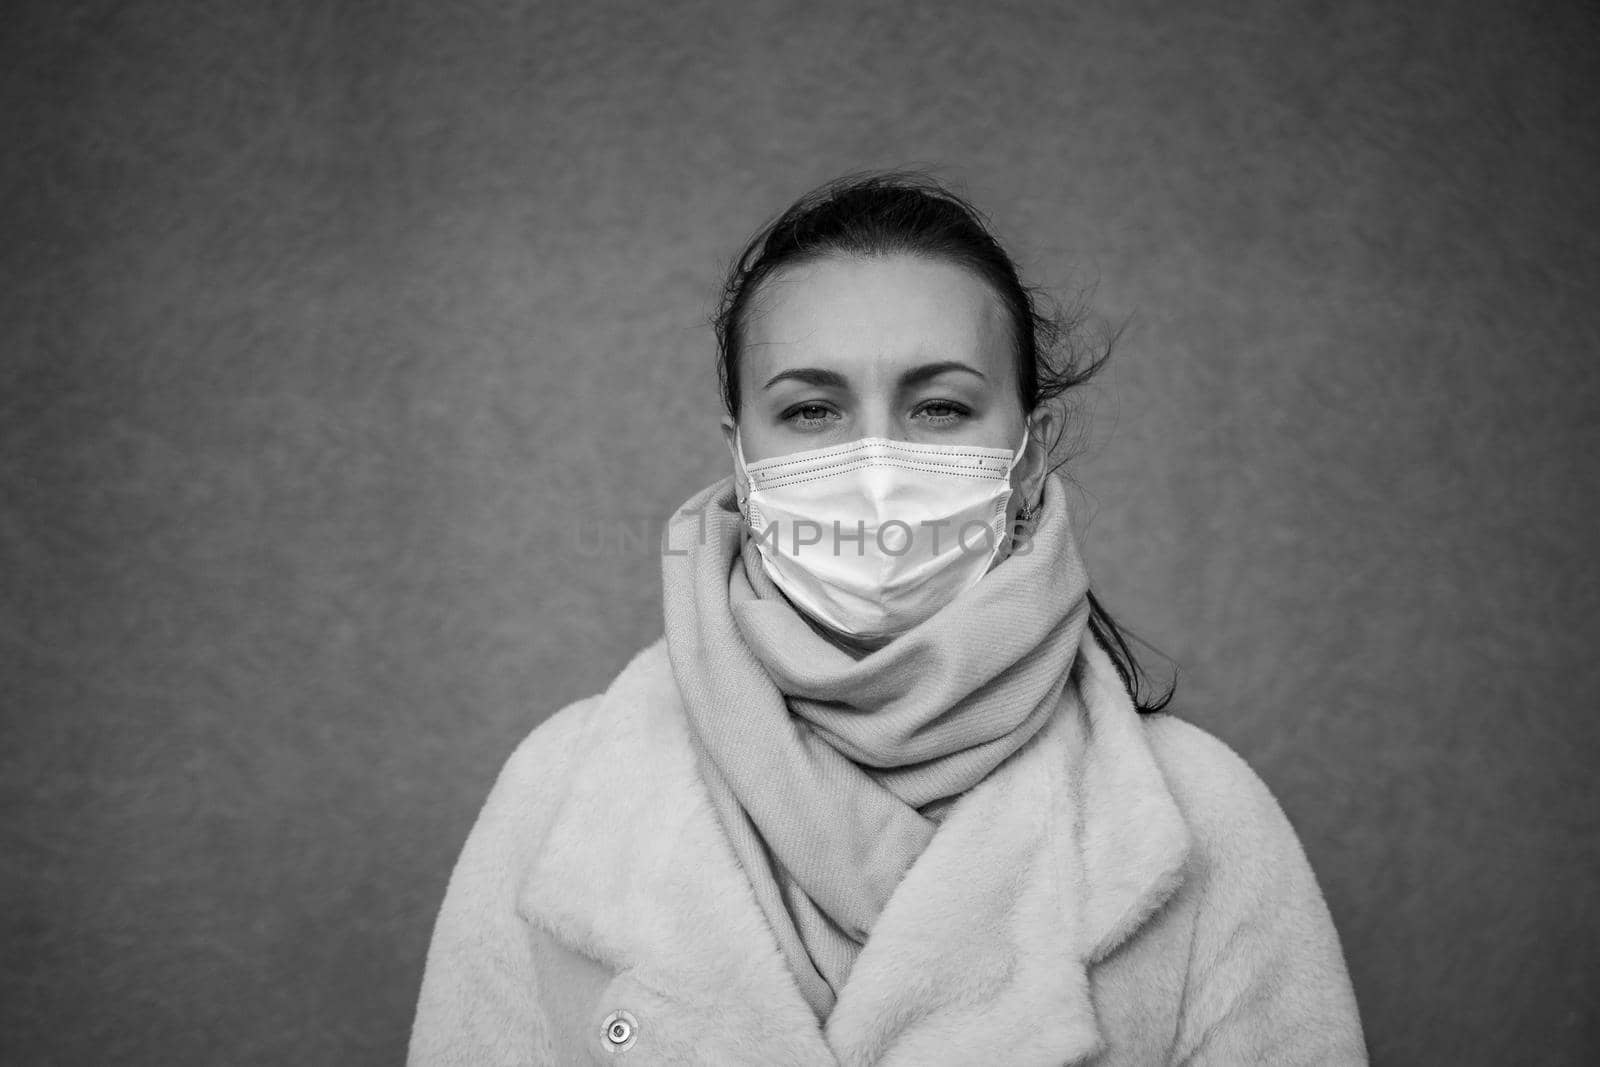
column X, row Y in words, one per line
column 621, row 1030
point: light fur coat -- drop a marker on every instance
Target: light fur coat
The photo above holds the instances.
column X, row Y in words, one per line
column 1123, row 890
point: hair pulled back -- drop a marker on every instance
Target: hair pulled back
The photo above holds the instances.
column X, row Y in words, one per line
column 905, row 213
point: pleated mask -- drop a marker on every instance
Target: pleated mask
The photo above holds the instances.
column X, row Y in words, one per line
column 872, row 537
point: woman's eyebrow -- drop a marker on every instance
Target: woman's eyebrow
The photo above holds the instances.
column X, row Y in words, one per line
column 918, row 375
column 813, row 376
column 822, row 378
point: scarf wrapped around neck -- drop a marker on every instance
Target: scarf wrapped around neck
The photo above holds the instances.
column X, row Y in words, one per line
column 830, row 768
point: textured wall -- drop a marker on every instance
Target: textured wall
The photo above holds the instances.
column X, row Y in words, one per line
column 333, row 331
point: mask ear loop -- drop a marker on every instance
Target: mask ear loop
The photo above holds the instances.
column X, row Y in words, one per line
column 1026, row 509
column 741, row 478
column 1005, row 543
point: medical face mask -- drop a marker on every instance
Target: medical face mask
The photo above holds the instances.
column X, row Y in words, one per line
column 872, row 537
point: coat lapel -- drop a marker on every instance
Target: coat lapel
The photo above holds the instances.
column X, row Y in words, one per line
column 637, row 874
column 1037, row 873
column 1133, row 843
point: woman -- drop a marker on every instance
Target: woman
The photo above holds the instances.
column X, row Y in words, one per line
column 882, row 794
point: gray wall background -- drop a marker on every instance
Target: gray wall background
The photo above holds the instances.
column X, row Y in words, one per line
column 333, row 332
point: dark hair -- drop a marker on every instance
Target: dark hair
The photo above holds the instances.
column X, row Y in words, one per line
column 902, row 213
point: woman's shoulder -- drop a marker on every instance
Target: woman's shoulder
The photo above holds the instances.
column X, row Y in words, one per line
column 1198, row 761
column 635, row 723
column 1231, row 812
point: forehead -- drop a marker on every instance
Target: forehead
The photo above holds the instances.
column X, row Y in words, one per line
column 858, row 315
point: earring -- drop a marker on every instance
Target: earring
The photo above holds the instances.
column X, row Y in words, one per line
column 1025, row 512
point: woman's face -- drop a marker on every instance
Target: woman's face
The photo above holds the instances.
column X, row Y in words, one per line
column 902, row 347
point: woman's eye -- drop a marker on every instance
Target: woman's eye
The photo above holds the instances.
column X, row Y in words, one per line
column 808, row 416
column 940, row 412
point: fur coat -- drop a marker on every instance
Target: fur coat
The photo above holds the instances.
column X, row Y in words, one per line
column 1123, row 890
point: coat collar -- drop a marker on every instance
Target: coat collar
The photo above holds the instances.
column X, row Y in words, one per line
column 1038, row 872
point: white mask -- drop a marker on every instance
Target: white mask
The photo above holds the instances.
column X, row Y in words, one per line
column 872, row 537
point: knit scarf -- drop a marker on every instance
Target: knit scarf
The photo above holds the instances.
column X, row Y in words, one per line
column 829, row 768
